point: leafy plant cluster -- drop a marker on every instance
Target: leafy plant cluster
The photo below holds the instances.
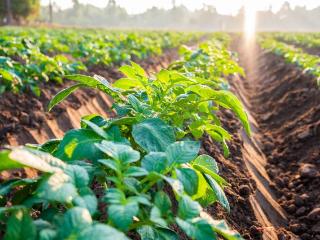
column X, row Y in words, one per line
column 33, row 55
column 309, row 40
column 137, row 176
column 307, row 62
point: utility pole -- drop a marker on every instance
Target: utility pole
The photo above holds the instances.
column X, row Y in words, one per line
column 9, row 18
column 50, row 12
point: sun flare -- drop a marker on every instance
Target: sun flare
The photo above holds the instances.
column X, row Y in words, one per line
column 250, row 19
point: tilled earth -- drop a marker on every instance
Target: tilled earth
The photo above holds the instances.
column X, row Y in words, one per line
column 286, row 105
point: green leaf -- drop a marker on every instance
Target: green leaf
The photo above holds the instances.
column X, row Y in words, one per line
column 20, row 157
column 6, row 163
column 127, row 83
column 98, row 130
column 218, row 191
column 20, row 226
column 115, row 196
column 79, row 145
column 150, row 233
column 101, row 232
column 121, row 215
column 230, row 100
column 182, row 152
column 86, row 199
column 153, row 135
column 197, row 229
column 74, row 221
column 110, row 164
column 220, row 227
column 155, row 216
column 206, row 162
column 163, row 202
column 57, row 188
column 188, row 208
column 189, row 179
column 135, row 172
column 154, row 162
column 63, row 94
column 123, row 153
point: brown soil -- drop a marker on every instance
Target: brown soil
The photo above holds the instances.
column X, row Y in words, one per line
column 285, row 104
column 242, row 186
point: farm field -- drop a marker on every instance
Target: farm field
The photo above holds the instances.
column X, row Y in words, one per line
column 158, row 135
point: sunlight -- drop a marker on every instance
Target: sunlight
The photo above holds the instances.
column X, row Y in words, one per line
column 250, row 19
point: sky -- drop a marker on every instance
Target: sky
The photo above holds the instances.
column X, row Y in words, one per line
column 223, row 6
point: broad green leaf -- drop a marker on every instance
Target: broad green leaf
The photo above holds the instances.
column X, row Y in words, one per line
column 163, row 202
column 218, row 191
column 182, row 152
column 207, row 162
column 79, row 144
column 197, row 229
column 189, row 179
column 86, row 199
column 110, row 164
column 121, row 215
column 230, row 100
column 115, row 196
column 101, row 232
column 19, row 157
column 156, row 217
column 20, row 226
column 63, row 94
column 135, row 172
column 153, row 135
column 98, row 130
column 221, row 227
column 150, row 233
column 188, row 209
column 127, row 83
column 154, row 162
column 57, row 188
column 74, row 221
column 123, row 153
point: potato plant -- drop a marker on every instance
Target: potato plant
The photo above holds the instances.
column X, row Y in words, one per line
column 38, row 55
column 307, row 62
column 136, row 176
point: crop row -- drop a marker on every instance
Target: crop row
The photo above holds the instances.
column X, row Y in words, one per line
column 28, row 57
column 136, row 176
column 308, row 40
column 307, row 62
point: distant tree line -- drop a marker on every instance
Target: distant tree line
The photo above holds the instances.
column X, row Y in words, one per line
column 18, row 11
column 178, row 17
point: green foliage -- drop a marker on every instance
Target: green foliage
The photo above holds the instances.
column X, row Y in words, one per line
column 21, row 10
column 307, row 62
column 31, row 56
column 137, row 174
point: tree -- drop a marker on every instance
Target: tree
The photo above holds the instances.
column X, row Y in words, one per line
column 17, row 11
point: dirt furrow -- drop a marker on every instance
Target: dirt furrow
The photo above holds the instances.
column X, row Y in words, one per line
column 283, row 154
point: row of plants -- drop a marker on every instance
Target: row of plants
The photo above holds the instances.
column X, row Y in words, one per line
column 307, row 62
column 136, row 176
column 30, row 56
column 308, row 40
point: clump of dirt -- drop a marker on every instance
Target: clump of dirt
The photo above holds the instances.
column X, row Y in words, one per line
column 233, row 169
column 286, row 105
